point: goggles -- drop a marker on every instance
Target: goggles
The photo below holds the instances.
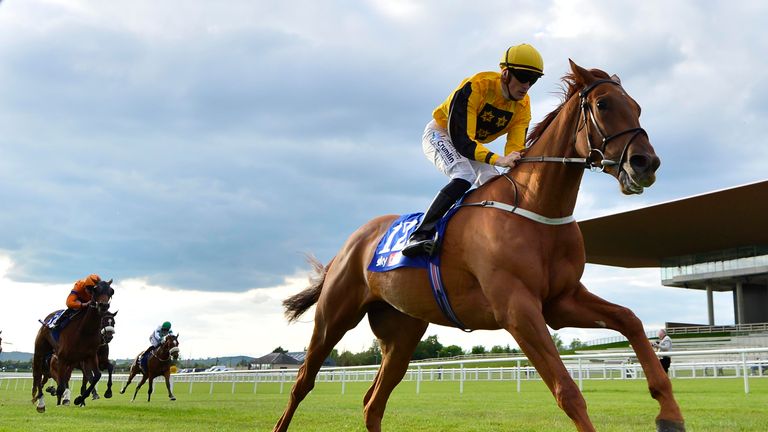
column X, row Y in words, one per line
column 525, row 76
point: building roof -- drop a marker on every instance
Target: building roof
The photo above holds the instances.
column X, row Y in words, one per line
column 276, row 358
column 725, row 219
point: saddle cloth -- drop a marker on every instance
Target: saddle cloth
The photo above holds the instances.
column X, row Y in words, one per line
column 388, row 255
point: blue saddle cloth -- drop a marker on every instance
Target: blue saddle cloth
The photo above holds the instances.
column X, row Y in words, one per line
column 144, row 359
column 60, row 326
column 388, row 255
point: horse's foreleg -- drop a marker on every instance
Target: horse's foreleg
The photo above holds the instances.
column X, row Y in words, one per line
column 398, row 336
column 94, row 374
column 586, row 310
column 150, row 387
column 168, row 385
column 110, row 369
column 521, row 316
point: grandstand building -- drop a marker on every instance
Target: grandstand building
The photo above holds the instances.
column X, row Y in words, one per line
column 715, row 242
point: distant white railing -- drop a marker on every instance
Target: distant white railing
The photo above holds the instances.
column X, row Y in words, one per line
column 756, row 327
column 723, row 363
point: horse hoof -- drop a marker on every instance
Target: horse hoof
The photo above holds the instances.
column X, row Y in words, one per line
column 669, row 426
column 41, row 409
column 95, row 396
column 108, row 394
column 173, row 398
column 65, row 402
column 51, row 390
column 79, row 401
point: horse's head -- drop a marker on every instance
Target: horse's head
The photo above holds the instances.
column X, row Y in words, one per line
column 171, row 344
column 108, row 326
column 102, row 294
column 609, row 133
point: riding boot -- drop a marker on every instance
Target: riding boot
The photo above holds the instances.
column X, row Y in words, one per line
column 422, row 240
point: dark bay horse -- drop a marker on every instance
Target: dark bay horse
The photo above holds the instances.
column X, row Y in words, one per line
column 158, row 364
column 77, row 344
column 107, row 334
column 501, row 270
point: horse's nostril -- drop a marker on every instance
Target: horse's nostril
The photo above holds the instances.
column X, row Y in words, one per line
column 640, row 163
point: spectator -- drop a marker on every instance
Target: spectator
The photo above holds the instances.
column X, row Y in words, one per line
column 664, row 344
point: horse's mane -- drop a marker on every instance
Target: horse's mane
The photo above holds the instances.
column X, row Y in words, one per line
column 569, row 88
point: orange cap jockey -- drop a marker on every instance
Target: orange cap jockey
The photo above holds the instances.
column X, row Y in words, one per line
column 79, row 293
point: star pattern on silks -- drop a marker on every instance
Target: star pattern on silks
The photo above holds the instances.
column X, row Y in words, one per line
column 482, row 133
column 487, row 116
column 502, row 121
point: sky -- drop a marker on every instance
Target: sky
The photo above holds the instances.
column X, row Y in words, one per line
column 195, row 151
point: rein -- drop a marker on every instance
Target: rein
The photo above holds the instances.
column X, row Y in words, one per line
column 588, row 117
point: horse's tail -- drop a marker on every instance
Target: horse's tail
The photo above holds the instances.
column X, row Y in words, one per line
column 297, row 304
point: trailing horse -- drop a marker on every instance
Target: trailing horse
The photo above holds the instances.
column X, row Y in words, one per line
column 77, row 344
column 512, row 258
column 157, row 364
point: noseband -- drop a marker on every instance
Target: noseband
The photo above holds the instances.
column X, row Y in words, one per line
column 595, row 159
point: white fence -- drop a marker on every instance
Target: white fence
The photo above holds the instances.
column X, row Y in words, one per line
column 727, row 363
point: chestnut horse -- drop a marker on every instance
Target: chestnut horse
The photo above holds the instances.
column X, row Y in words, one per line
column 158, row 364
column 502, row 269
column 78, row 343
column 107, row 334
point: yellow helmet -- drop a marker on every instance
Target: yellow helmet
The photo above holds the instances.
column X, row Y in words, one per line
column 523, row 56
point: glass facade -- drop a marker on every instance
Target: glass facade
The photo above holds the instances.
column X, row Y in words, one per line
column 742, row 258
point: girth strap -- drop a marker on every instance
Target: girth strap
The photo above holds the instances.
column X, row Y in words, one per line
column 441, row 297
column 522, row 212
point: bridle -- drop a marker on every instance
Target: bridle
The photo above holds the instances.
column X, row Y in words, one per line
column 171, row 351
column 595, row 159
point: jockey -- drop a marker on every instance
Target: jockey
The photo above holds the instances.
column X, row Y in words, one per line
column 78, row 298
column 483, row 108
column 156, row 338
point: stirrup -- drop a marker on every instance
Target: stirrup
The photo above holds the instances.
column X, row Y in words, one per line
column 426, row 246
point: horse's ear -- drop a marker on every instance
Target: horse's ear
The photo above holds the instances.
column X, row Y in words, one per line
column 177, row 336
column 616, row 78
column 115, row 314
column 582, row 76
column 109, row 282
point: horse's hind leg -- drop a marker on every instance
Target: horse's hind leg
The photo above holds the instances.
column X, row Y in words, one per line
column 398, row 336
column 586, row 310
column 134, row 371
column 336, row 314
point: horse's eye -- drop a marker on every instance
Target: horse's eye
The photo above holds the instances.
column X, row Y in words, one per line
column 601, row 105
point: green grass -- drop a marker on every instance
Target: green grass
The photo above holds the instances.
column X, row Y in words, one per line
column 708, row 405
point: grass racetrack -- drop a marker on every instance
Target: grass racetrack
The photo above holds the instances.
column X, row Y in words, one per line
column 714, row 405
